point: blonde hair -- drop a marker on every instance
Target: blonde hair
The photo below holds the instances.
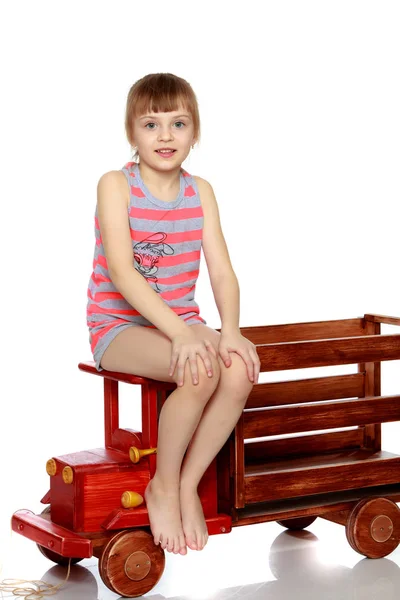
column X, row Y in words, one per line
column 160, row 92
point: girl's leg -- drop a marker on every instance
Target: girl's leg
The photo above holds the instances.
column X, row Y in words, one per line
column 178, row 420
column 147, row 352
column 218, row 420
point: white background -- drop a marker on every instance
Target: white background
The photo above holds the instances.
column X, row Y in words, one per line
column 300, row 130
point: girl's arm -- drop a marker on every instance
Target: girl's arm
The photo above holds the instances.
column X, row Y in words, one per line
column 116, row 238
column 222, row 276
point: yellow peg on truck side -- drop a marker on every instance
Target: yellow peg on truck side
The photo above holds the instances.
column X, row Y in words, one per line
column 135, row 454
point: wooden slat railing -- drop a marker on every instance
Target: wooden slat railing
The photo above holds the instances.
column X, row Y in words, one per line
column 299, row 445
column 382, row 319
column 313, row 389
column 291, row 332
column 322, row 415
column 319, row 475
column 327, row 352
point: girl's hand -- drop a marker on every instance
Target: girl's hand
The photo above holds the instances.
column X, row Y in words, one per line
column 234, row 341
column 186, row 347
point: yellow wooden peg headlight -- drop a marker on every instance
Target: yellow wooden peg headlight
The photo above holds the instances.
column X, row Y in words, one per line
column 51, row 467
column 67, row 475
column 131, row 499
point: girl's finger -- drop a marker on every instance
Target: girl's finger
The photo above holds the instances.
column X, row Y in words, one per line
column 256, row 361
column 207, row 362
column 247, row 359
column 181, row 371
column 193, row 368
column 173, row 364
column 210, row 347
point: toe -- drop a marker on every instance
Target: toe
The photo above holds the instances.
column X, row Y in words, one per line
column 200, row 543
column 204, row 541
column 191, row 542
column 182, row 544
column 175, row 545
column 163, row 544
column 205, row 538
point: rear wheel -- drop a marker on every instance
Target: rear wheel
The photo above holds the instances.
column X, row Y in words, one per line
column 373, row 527
column 297, row 523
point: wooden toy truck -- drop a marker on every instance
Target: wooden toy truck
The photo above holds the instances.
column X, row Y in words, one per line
column 96, row 502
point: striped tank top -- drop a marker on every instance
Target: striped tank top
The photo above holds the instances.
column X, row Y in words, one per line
column 166, row 246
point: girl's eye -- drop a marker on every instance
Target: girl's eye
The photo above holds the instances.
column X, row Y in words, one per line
column 152, row 123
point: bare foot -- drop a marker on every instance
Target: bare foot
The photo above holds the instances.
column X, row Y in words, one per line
column 164, row 516
column 194, row 525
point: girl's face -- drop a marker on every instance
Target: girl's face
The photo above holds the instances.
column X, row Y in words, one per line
column 164, row 130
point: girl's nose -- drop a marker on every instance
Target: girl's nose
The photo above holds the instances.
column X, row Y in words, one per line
column 165, row 133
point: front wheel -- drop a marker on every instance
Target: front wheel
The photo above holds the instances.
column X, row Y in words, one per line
column 131, row 564
column 53, row 556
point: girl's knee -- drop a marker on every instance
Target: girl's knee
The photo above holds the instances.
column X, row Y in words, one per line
column 236, row 377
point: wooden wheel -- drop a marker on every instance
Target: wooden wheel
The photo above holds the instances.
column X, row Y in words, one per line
column 131, row 564
column 373, row 527
column 57, row 558
column 53, row 556
column 297, row 523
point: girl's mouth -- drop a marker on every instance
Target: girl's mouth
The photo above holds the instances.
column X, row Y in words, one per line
column 166, row 154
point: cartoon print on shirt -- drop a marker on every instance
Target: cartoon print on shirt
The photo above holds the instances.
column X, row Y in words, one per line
column 147, row 253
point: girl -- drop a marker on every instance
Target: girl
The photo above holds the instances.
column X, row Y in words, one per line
column 152, row 219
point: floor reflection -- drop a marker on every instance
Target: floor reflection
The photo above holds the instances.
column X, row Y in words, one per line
column 295, row 563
